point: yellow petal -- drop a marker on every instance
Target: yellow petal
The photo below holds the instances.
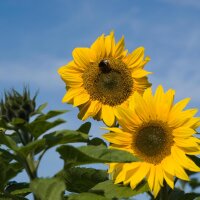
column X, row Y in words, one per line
column 89, row 109
column 140, row 174
column 128, row 120
column 184, row 161
column 108, row 115
column 81, row 57
column 157, row 185
column 159, row 174
column 193, row 123
column 167, row 165
column 141, row 108
column 81, row 99
column 135, row 58
column 71, row 75
column 71, row 93
column 99, row 47
column 183, row 132
column 139, row 73
column 178, row 107
column 148, row 97
column 169, row 179
column 119, row 48
column 109, row 44
column 151, row 177
column 187, row 142
column 119, row 138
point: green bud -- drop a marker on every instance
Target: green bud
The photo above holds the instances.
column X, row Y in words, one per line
column 16, row 105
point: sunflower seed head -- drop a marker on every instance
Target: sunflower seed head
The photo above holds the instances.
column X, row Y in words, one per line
column 16, row 105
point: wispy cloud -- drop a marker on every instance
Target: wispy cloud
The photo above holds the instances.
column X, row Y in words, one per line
column 42, row 72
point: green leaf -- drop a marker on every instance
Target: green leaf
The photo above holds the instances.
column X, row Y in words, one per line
column 8, row 171
column 111, row 190
column 15, row 188
column 11, row 197
column 2, row 124
column 36, row 146
column 8, row 141
column 85, row 128
column 48, row 188
column 40, row 109
column 93, row 154
column 37, row 128
column 17, row 121
column 50, row 114
column 189, row 196
column 64, row 136
column 6, row 156
column 82, row 179
column 196, row 160
column 96, row 141
column 53, row 139
column 86, row 196
column 176, row 194
column 194, row 183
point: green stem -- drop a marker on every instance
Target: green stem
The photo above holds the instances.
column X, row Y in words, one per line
column 31, row 169
column 40, row 157
column 164, row 192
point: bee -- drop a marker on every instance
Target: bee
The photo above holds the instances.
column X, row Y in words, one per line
column 104, row 66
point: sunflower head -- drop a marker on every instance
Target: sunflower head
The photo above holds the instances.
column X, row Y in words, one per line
column 104, row 77
column 161, row 134
column 16, row 105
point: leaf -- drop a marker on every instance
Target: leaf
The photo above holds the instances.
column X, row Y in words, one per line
column 48, row 188
column 85, row 128
column 189, row 196
column 6, row 156
column 64, row 136
column 36, row 146
column 176, row 194
column 53, row 139
column 194, row 183
column 11, row 197
column 40, row 109
column 111, row 190
column 15, row 188
column 8, row 171
column 196, row 160
column 86, row 196
column 37, row 128
column 93, row 154
column 82, row 179
column 50, row 114
column 17, row 121
column 96, row 141
column 8, row 141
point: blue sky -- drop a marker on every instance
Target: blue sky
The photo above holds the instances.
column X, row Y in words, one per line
column 37, row 37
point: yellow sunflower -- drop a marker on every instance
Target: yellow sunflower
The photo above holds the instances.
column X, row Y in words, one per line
column 160, row 133
column 102, row 78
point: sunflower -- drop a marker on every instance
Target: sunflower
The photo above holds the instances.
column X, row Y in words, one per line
column 102, row 78
column 160, row 133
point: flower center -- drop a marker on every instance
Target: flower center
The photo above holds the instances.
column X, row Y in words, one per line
column 153, row 141
column 108, row 81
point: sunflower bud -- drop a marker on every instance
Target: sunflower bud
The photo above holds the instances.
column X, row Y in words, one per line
column 14, row 105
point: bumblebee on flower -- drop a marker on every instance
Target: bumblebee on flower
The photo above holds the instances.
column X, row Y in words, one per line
column 104, row 77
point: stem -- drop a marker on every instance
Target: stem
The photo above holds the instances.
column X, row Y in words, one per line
column 40, row 157
column 21, row 138
column 31, row 169
column 164, row 192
